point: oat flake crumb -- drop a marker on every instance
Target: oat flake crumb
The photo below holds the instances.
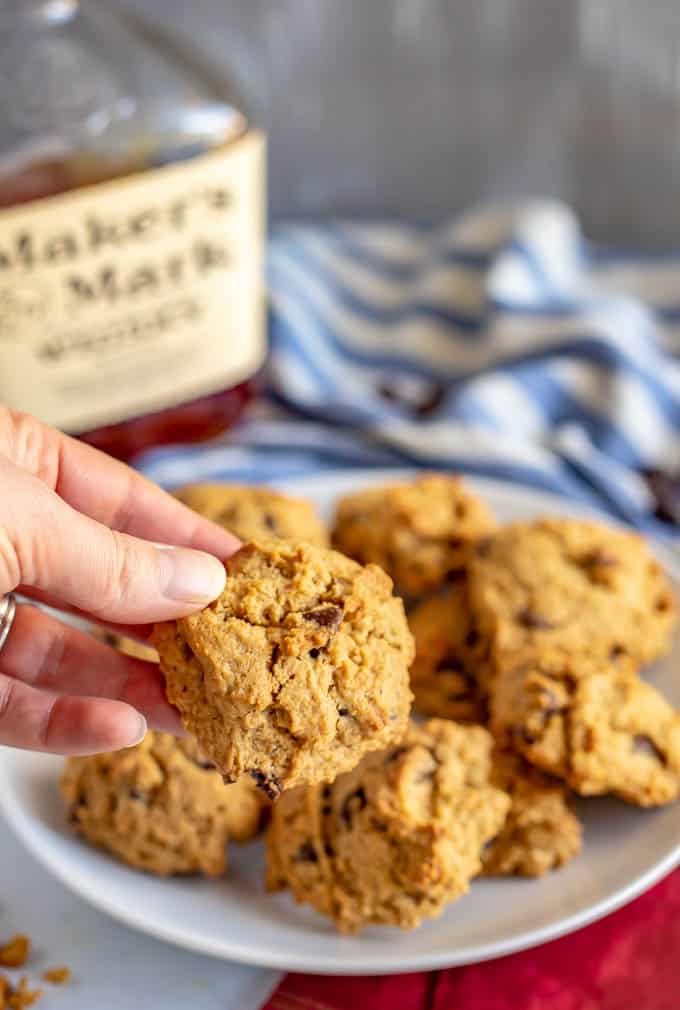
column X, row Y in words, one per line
column 13, row 954
column 58, row 976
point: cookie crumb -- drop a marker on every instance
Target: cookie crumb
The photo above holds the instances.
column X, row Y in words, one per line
column 57, row 976
column 14, row 953
column 18, row 998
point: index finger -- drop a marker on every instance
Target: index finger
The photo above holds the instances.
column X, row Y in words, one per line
column 106, row 489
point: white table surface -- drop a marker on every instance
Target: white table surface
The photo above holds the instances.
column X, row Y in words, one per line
column 114, row 968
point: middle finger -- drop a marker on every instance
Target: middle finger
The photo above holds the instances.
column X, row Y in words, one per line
column 43, row 652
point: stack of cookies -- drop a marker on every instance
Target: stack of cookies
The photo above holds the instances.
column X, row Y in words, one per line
column 541, row 635
column 295, row 687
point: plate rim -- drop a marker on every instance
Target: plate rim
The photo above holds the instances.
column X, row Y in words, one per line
column 399, row 962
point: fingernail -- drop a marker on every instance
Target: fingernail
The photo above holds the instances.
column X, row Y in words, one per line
column 142, row 730
column 191, row 576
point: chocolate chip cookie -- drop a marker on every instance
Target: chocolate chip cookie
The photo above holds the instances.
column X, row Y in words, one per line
column 601, row 729
column 296, row 671
column 160, row 806
column 256, row 513
column 575, row 585
column 421, row 532
column 396, row 839
column 542, row 832
column 448, row 673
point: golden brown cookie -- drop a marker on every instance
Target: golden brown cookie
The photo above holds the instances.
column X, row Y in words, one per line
column 448, row 673
column 598, row 727
column 421, row 532
column 256, row 513
column 579, row 586
column 296, row 671
column 542, row 832
column 394, row 840
column 160, row 806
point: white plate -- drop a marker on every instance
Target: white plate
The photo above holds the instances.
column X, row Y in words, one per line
column 625, row 851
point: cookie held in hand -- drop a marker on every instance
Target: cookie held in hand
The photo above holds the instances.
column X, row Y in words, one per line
column 296, row 671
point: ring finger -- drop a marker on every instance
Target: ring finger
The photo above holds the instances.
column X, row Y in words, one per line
column 46, row 654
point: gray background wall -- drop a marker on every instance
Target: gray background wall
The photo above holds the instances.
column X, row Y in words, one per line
column 419, row 107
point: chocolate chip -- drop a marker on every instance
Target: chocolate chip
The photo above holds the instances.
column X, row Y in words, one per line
column 326, row 792
column 269, row 784
column 325, row 617
column 616, row 652
column 601, row 559
column 533, row 620
column 454, row 575
column 644, row 745
column 306, row 854
column 589, row 741
column 314, row 653
column 483, row 547
column 269, row 521
column 343, row 711
column 472, row 638
column 393, row 755
column 354, row 803
column 464, row 693
column 449, row 664
column 328, row 849
column 326, row 809
column 550, row 706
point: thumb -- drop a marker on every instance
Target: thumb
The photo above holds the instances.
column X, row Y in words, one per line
column 46, row 544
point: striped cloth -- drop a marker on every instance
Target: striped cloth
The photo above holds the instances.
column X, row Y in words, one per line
column 502, row 343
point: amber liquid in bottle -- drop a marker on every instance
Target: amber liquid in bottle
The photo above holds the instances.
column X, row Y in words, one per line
column 175, row 210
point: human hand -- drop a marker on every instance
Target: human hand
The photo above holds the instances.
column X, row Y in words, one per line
column 83, row 532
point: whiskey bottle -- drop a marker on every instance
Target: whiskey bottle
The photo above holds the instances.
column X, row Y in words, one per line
column 131, row 231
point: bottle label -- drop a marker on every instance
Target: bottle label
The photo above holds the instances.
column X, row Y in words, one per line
column 130, row 296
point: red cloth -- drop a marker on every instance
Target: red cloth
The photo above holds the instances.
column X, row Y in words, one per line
column 627, row 961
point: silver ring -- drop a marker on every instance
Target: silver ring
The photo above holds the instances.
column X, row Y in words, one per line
column 8, row 609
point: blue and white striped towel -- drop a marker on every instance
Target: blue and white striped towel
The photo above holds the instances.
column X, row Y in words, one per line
column 502, row 343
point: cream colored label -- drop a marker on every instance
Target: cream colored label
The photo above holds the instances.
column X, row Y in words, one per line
column 134, row 295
